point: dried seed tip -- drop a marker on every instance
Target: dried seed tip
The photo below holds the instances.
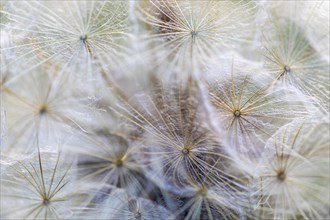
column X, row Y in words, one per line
column 193, row 33
column 237, row 113
column 137, row 215
column 119, row 163
column 185, row 151
column 46, row 202
column 83, row 38
column 203, row 192
column 43, row 110
column 287, row 68
column 281, row 176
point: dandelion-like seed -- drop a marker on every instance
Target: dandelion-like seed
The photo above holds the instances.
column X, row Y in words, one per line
column 294, row 173
column 39, row 104
column 253, row 110
column 106, row 157
column 311, row 16
column 157, row 123
column 38, row 187
column 190, row 32
column 208, row 201
column 179, row 142
column 114, row 203
column 67, row 33
column 291, row 58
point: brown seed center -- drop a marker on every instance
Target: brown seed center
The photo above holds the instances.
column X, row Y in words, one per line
column 185, row 151
column 237, row 113
column 43, row 110
column 287, row 68
column 119, row 162
column 203, row 192
column 281, row 176
column 45, row 202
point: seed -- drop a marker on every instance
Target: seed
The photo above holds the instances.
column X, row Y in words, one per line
column 45, row 202
column 83, row 38
column 119, row 163
column 287, row 68
column 237, row 113
column 42, row 110
column 185, row 151
column 281, row 175
column 193, row 33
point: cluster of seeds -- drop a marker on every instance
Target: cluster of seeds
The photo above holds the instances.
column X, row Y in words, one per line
column 165, row 109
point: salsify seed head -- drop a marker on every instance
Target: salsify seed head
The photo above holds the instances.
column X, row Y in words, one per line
column 38, row 187
column 164, row 109
column 293, row 169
